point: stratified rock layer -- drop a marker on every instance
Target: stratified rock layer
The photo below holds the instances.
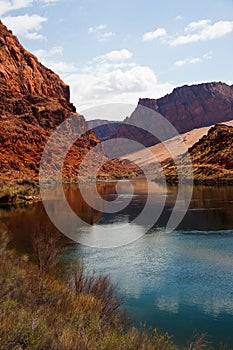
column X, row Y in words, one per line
column 186, row 108
column 33, row 102
column 211, row 156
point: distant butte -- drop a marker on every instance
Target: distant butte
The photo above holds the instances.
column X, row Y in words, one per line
column 187, row 108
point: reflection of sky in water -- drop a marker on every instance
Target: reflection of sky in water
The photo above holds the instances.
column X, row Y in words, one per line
column 181, row 269
column 180, row 283
column 111, row 235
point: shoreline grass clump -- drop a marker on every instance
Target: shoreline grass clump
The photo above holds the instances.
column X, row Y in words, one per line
column 40, row 311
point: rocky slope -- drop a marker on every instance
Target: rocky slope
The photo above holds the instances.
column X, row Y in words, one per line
column 212, row 158
column 187, row 107
column 161, row 150
column 33, row 101
column 103, row 129
column 215, row 147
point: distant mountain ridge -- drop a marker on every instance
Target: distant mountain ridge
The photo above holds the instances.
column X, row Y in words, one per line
column 103, row 129
column 193, row 106
column 186, row 108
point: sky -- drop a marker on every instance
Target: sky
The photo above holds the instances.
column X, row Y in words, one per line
column 119, row 51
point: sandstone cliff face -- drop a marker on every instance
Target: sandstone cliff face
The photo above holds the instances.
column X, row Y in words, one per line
column 215, row 148
column 33, row 101
column 103, row 129
column 211, row 156
column 22, row 75
column 187, row 107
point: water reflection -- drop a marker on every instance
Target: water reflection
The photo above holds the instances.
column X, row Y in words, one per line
column 84, row 198
column 210, row 210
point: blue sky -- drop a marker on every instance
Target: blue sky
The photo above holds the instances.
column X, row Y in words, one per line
column 119, row 51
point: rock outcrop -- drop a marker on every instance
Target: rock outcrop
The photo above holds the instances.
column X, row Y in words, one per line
column 103, row 129
column 214, row 148
column 33, row 102
column 211, row 156
column 26, row 85
column 187, row 107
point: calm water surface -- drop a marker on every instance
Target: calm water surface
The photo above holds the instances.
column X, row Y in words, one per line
column 181, row 282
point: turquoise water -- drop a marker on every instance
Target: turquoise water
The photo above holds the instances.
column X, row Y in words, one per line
column 180, row 282
column 176, row 282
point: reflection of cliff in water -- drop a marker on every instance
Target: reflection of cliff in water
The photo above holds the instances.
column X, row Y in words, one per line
column 209, row 210
column 79, row 205
column 24, row 220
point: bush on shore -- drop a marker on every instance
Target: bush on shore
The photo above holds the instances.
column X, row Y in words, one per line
column 40, row 312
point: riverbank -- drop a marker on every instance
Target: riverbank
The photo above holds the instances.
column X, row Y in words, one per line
column 205, row 175
column 19, row 191
column 28, row 190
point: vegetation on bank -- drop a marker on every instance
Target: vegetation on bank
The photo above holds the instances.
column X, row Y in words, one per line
column 27, row 190
column 206, row 175
column 19, row 191
column 41, row 311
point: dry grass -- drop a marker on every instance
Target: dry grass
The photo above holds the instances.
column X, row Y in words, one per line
column 39, row 311
column 18, row 191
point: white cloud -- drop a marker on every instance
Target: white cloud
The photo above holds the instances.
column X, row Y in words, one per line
column 97, row 29
column 115, row 56
column 186, row 61
column 61, row 67
column 135, row 79
column 48, row 58
column 193, row 26
column 193, row 60
column 158, row 33
column 9, row 5
column 27, row 25
column 34, row 36
column 105, row 36
column 54, row 51
column 179, row 18
column 203, row 30
column 107, row 80
column 50, row 2
column 207, row 56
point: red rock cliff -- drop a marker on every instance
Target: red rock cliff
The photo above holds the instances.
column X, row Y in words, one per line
column 33, row 101
column 187, row 107
column 194, row 106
